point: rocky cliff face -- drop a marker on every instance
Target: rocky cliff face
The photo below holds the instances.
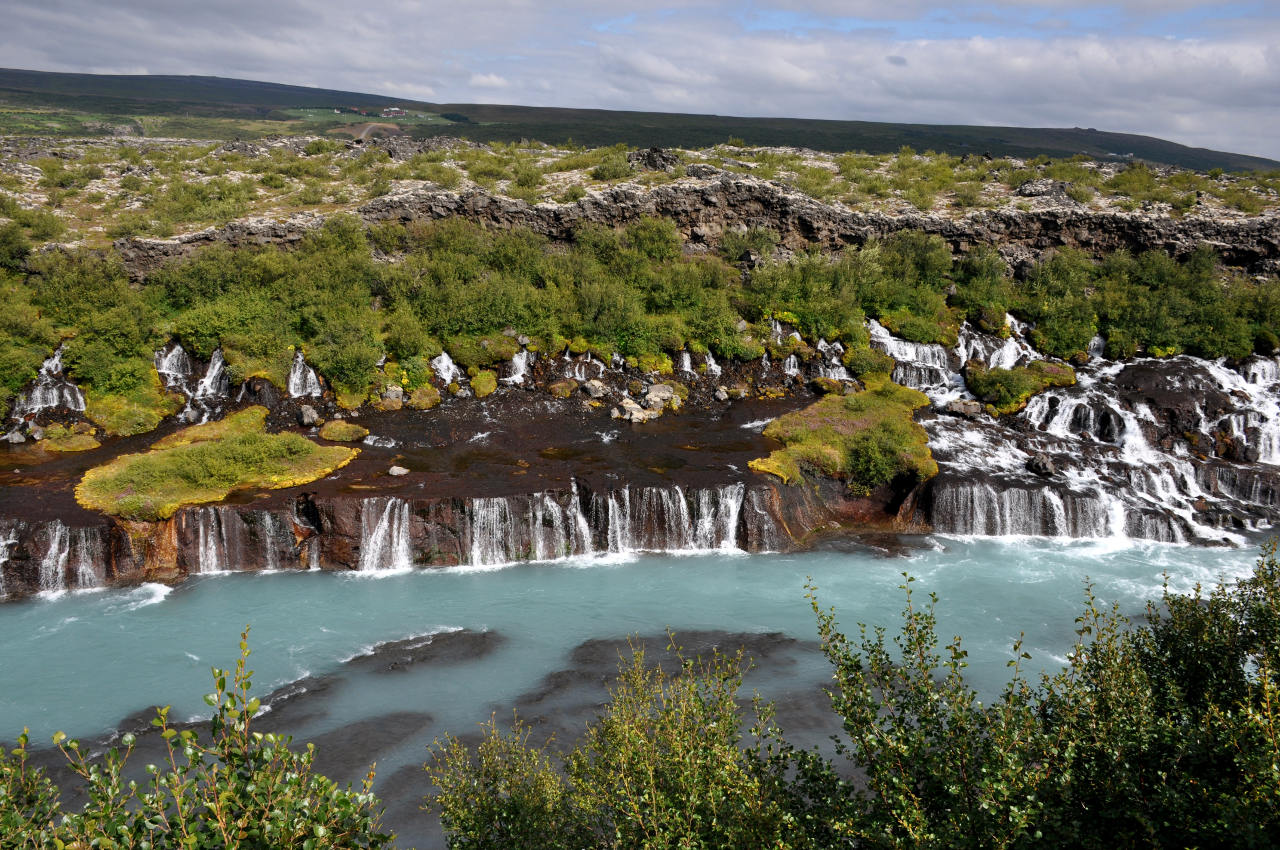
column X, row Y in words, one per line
column 388, row 533
column 707, row 206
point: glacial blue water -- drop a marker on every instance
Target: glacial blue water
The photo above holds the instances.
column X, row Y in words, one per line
column 82, row 661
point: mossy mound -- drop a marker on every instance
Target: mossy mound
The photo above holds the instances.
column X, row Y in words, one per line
column 343, row 432
column 865, row 439
column 59, row 438
column 424, row 398
column 1008, row 390
column 204, row 464
column 563, row 388
column 484, row 383
column 135, row 411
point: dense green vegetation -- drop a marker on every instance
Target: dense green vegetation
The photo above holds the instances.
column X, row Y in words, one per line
column 1164, row 735
column 865, row 439
column 235, row 788
column 452, row 285
column 204, row 463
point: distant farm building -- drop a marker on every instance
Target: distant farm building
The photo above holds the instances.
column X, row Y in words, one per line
column 393, row 112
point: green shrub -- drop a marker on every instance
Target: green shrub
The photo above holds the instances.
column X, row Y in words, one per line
column 612, row 167
column 1008, row 390
column 238, row 788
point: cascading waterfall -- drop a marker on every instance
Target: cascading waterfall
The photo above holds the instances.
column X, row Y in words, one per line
column 384, row 535
column 303, row 381
column 584, row 368
column 492, row 537
column 53, row 566
column 920, row 366
column 7, row 539
column 174, row 367
column 446, row 370
column 713, row 368
column 211, row 541
column 832, row 366
column 519, row 367
column 791, row 366
column 87, row 548
column 686, row 363
column 175, row 370
column 51, row 390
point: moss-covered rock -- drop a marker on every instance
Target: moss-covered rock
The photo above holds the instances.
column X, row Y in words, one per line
column 484, row 383
column 424, row 398
column 827, row 386
column 1008, row 390
column 865, row 439
column 59, row 438
column 341, row 431
column 563, row 388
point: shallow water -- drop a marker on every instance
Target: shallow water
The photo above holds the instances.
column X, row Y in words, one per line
column 81, row 662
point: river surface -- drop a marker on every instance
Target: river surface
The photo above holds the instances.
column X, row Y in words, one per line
column 530, row 637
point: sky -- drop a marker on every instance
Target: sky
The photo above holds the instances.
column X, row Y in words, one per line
column 1203, row 74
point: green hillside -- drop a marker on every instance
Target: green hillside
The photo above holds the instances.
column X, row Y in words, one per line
column 44, row 103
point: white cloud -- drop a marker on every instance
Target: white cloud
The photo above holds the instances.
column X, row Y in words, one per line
column 1214, row 87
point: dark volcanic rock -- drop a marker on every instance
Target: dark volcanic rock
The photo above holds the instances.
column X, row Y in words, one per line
column 710, row 202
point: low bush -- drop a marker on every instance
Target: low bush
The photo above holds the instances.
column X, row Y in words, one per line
column 1007, row 391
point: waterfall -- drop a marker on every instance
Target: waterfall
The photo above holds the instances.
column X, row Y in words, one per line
column 174, row 367
column 619, row 528
column 51, row 390
column 53, row 566
column 519, row 367
column 686, row 363
column 446, row 370
column 384, row 535
column 492, row 532
column 920, row 366
column 713, row 368
column 1097, row 347
column 791, row 366
column 7, row 539
column 211, row 541
column 86, row 545
column 582, row 541
column 762, row 529
column 996, row 353
column 302, row 379
column 832, row 365
column 582, row 369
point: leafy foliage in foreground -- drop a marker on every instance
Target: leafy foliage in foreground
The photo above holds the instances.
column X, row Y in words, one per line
column 1165, row 735
column 240, row 789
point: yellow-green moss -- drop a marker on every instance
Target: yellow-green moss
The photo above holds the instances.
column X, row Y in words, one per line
column 484, row 383
column 206, row 466
column 563, row 388
column 59, row 438
column 424, row 398
column 1008, row 390
column 251, row 420
column 343, row 432
column 138, row 411
column 865, row 439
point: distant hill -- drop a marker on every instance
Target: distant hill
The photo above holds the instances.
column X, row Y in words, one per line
column 260, row 104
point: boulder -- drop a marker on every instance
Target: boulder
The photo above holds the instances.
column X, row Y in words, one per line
column 722, row 394
column 660, row 396
column 965, row 407
column 563, row 388
column 595, row 388
column 1041, row 464
column 397, row 470
column 424, row 398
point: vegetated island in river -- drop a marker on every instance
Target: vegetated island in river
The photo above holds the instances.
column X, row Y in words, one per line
column 435, row 352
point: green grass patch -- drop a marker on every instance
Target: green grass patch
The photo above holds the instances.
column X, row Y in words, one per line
column 205, row 465
column 60, row 438
column 866, row 439
column 135, row 411
column 1008, row 390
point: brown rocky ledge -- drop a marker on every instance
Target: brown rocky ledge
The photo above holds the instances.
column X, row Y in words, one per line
column 705, row 207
